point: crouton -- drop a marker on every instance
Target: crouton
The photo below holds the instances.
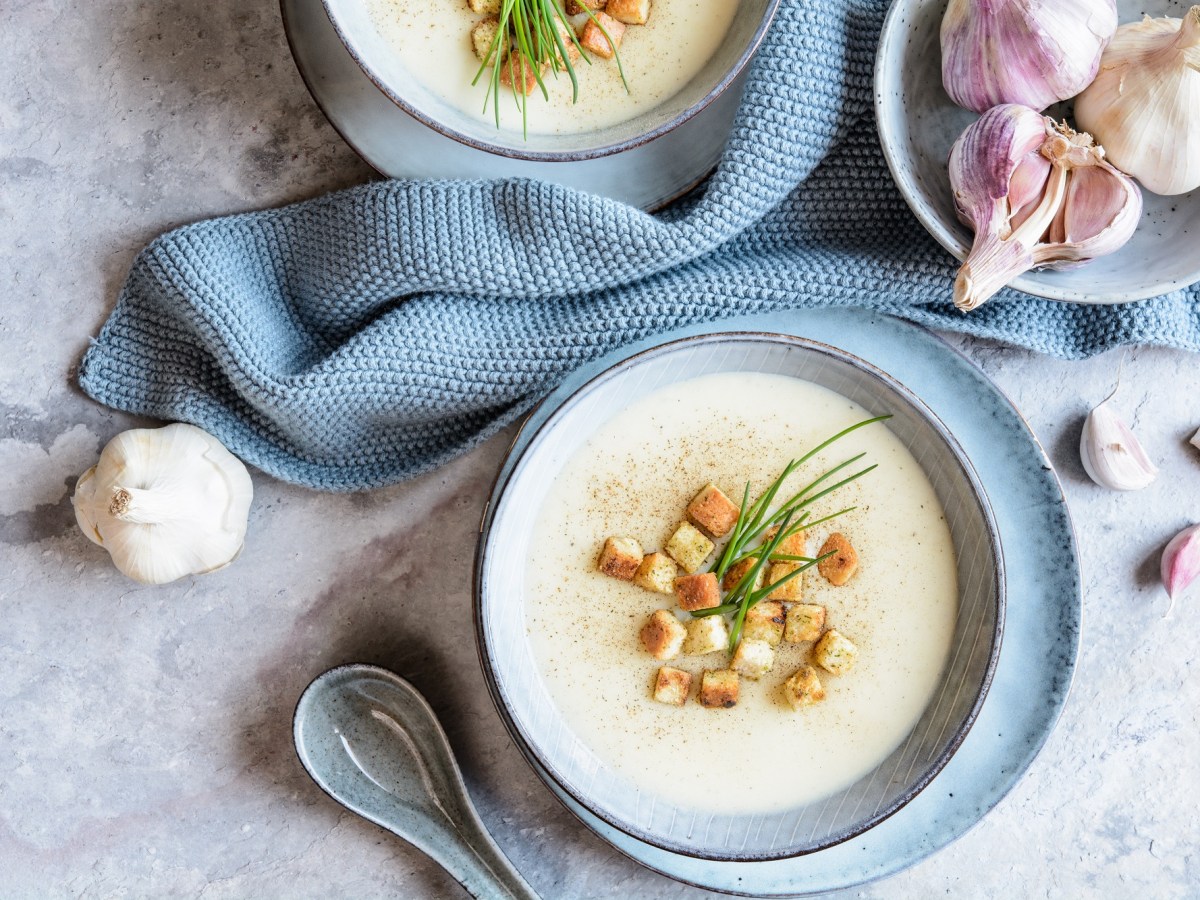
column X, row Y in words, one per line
column 805, row 622
column 485, row 7
column 594, row 39
column 792, row 589
column 663, row 635
column 657, row 573
column 719, row 689
column 713, row 511
column 518, row 73
column 672, row 686
column 752, row 658
column 803, row 688
column 631, row 12
column 735, row 573
column 764, row 622
column 835, row 653
column 575, row 7
column 792, row 545
column 840, row 567
column 706, row 635
column 689, row 547
column 621, row 558
column 567, row 34
column 483, row 35
column 697, row 591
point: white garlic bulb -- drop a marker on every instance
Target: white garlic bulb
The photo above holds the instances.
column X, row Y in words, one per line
column 1144, row 105
column 1112, row 455
column 165, row 502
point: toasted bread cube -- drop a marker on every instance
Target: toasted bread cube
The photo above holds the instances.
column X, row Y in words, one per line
column 483, row 35
column 631, row 12
column 804, row 688
column 575, row 7
column 835, row 653
column 805, row 622
column 792, row 589
column 752, row 658
column 657, row 573
column 689, row 547
column 518, row 73
column 663, row 635
column 735, row 573
column 764, row 622
column 706, row 635
column 719, row 688
column 792, row 545
column 713, row 511
column 621, row 558
column 594, row 40
column 672, row 686
column 697, row 591
column 485, row 7
column 567, row 33
column 840, row 567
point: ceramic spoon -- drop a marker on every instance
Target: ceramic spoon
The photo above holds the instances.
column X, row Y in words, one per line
column 371, row 742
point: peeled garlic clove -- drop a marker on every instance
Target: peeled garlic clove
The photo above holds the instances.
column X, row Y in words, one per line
column 1032, row 52
column 1112, row 455
column 1036, row 194
column 1144, row 105
column 1181, row 562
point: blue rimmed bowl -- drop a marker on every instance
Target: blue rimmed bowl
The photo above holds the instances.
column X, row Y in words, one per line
column 522, row 696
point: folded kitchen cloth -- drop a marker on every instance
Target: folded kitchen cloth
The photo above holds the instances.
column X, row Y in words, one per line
column 368, row 336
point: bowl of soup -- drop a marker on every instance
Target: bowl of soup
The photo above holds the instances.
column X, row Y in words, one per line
column 850, row 690
column 422, row 55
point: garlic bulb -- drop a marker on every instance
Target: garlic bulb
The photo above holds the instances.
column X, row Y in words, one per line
column 1112, row 455
column 1180, row 565
column 1032, row 52
column 1144, row 105
column 1037, row 195
column 165, row 502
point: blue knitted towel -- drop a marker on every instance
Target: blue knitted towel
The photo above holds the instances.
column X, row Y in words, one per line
column 368, row 336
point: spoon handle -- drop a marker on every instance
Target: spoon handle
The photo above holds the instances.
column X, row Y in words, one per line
column 472, row 857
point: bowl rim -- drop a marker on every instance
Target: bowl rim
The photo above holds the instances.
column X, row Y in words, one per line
column 505, row 473
column 610, row 149
column 890, row 40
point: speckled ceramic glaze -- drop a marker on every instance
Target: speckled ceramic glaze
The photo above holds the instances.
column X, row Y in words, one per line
column 376, row 55
column 918, row 123
column 397, row 145
column 1041, row 637
column 544, row 734
column 370, row 741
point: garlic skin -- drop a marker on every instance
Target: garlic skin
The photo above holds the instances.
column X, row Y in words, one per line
column 165, row 503
column 1037, row 194
column 1195, row 440
column 1180, row 564
column 1112, row 455
column 1144, row 105
column 1031, row 52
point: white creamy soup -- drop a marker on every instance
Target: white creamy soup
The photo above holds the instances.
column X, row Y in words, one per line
column 659, row 58
column 635, row 476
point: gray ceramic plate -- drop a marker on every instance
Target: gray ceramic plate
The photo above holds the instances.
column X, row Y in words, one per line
column 1042, row 631
column 918, row 123
column 399, row 146
column 543, row 733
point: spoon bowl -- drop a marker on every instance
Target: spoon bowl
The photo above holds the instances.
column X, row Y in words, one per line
column 371, row 742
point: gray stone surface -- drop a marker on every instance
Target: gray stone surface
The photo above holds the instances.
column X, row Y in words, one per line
column 145, row 731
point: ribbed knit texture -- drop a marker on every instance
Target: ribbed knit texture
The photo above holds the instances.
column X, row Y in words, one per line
column 368, row 336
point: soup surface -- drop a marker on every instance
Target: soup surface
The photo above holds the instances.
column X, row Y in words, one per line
column 659, row 58
column 634, row 477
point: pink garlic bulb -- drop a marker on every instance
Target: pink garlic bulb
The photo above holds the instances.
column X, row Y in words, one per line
column 1037, row 194
column 1181, row 562
column 1032, row 52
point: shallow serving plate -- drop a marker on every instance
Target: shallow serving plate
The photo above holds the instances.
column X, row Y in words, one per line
column 536, row 724
column 918, row 123
column 398, row 146
column 359, row 31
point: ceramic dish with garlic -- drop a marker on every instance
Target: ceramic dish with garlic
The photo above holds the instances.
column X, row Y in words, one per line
column 1051, row 146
